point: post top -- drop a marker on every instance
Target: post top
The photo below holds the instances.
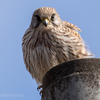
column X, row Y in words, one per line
column 88, row 65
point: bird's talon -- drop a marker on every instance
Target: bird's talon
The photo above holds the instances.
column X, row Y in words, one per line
column 41, row 92
column 37, row 89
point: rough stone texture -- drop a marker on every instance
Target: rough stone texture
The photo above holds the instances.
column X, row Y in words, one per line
column 73, row 80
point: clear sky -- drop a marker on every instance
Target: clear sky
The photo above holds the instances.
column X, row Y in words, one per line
column 15, row 17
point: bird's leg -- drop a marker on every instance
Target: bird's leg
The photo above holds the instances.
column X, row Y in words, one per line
column 38, row 88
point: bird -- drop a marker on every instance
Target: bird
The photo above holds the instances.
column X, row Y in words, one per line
column 50, row 41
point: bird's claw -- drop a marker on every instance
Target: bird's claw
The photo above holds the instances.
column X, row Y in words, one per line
column 41, row 91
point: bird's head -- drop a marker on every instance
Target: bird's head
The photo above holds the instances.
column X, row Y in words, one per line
column 45, row 18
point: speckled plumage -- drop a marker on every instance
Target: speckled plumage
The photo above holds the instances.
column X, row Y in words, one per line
column 47, row 46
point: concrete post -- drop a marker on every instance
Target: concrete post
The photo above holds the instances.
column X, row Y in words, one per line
column 73, row 80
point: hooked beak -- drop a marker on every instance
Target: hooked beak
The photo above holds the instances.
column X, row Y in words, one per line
column 46, row 22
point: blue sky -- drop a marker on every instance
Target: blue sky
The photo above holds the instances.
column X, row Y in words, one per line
column 15, row 17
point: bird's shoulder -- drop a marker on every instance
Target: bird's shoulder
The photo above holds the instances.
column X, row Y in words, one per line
column 72, row 29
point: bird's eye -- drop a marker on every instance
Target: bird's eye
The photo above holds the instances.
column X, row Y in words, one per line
column 52, row 17
column 38, row 18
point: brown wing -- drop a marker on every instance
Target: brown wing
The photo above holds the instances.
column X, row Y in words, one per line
column 72, row 26
column 78, row 47
column 73, row 30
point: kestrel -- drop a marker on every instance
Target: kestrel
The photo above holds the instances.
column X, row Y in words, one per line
column 49, row 41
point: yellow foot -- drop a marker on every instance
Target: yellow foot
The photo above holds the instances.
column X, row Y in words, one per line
column 41, row 91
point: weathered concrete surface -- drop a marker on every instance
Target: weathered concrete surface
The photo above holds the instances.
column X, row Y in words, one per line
column 73, row 80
